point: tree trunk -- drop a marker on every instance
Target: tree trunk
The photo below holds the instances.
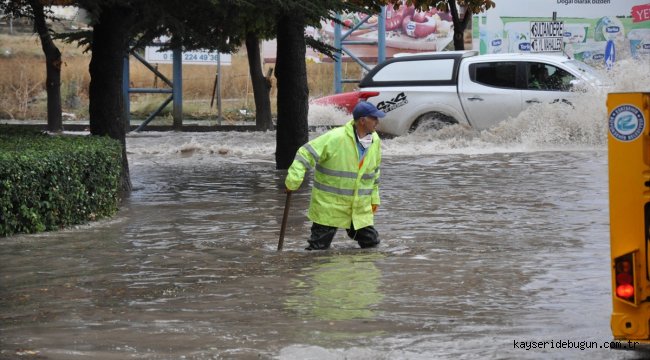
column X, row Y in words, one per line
column 459, row 25
column 53, row 69
column 261, row 85
column 459, row 39
column 293, row 93
column 109, row 46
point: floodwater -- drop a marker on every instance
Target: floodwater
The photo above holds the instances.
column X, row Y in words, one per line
column 490, row 241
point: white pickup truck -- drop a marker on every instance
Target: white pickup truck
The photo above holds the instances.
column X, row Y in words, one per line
column 464, row 87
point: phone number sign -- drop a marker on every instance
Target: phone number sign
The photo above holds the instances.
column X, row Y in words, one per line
column 197, row 57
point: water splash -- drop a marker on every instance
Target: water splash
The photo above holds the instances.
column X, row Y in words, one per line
column 201, row 147
column 542, row 127
column 580, row 125
column 327, row 115
column 631, row 75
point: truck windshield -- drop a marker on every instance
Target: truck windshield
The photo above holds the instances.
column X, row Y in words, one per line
column 588, row 73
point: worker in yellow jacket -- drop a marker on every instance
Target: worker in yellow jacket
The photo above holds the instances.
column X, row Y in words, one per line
column 345, row 193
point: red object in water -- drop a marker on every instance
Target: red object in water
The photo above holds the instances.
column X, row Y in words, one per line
column 346, row 101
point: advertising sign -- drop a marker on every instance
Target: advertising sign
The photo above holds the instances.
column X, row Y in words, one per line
column 407, row 30
column 587, row 26
column 594, row 31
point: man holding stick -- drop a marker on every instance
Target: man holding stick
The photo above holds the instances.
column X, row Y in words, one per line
column 345, row 194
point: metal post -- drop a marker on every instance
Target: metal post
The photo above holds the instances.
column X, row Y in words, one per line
column 219, row 114
column 126, row 73
column 338, row 67
column 177, row 89
column 153, row 114
column 381, row 36
column 127, row 90
column 340, row 41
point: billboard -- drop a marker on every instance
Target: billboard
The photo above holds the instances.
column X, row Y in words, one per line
column 591, row 29
column 407, row 30
column 587, row 28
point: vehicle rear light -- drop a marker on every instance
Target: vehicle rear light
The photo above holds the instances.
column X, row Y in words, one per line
column 625, row 284
column 625, row 291
column 367, row 94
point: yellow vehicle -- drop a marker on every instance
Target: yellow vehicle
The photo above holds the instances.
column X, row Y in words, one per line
column 629, row 198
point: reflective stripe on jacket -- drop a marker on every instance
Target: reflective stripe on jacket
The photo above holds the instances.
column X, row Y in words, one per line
column 343, row 190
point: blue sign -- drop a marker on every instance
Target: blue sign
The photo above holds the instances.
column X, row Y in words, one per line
column 626, row 123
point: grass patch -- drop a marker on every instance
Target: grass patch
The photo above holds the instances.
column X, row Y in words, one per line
column 23, row 96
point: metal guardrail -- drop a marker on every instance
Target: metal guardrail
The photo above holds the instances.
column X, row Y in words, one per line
column 340, row 42
column 176, row 93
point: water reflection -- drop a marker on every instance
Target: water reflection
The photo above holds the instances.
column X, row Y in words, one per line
column 345, row 287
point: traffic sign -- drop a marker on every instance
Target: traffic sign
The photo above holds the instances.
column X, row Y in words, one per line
column 546, row 36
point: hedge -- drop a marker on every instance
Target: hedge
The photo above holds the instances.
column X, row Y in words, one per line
column 50, row 182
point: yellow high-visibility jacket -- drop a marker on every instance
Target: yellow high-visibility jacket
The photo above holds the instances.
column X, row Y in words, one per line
column 344, row 188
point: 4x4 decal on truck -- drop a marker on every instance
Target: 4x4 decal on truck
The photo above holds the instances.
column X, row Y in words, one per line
column 392, row 104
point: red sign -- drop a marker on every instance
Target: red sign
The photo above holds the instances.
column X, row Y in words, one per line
column 641, row 13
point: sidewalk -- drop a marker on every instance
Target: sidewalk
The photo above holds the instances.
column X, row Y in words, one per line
column 189, row 125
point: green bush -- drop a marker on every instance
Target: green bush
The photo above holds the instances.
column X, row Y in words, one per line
column 50, row 182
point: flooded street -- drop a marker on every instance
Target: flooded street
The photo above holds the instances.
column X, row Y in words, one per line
column 478, row 251
column 489, row 241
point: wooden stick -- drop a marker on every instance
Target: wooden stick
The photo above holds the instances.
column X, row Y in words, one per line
column 284, row 221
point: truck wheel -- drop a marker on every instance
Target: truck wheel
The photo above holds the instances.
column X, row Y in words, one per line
column 432, row 121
